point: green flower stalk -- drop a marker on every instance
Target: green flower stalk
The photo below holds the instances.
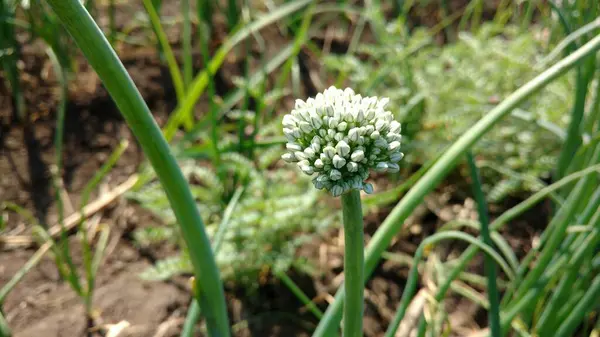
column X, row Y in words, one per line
column 338, row 137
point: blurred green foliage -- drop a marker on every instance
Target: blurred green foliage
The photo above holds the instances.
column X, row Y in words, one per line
column 439, row 92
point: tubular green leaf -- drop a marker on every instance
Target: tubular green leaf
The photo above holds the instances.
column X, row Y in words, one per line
column 178, row 82
column 589, row 300
column 4, row 329
column 490, row 268
column 299, row 293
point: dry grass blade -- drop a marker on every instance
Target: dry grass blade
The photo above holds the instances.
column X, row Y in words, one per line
column 115, row 330
column 25, row 241
column 413, row 313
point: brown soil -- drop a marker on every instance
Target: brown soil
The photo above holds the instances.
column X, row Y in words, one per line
column 43, row 305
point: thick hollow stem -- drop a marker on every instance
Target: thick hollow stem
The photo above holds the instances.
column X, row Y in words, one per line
column 353, row 263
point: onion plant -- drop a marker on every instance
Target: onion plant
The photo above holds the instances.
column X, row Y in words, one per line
column 339, row 137
column 81, row 282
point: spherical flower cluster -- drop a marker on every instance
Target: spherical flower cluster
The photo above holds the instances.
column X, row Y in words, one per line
column 339, row 136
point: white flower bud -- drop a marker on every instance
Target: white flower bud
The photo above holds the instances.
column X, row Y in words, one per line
column 315, row 120
column 393, row 167
column 394, row 145
column 319, row 164
column 352, row 166
column 290, row 158
column 342, row 148
column 375, row 135
column 379, row 124
column 368, row 188
column 388, row 118
column 293, row 146
column 329, row 152
column 303, row 163
column 335, row 174
column 296, row 115
column 318, row 184
column 395, row 127
column 307, row 169
column 300, row 155
column 381, row 143
column 310, row 153
column 305, row 127
column 289, row 133
column 342, row 126
column 348, row 117
column 381, row 167
column 360, row 116
column 338, row 162
column 396, row 157
column 353, row 135
column 305, row 116
column 357, row 156
column 289, row 121
column 337, row 190
column 299, row 104
column 330, row 111
column 392, row 137
column 370, row 114
column 333, row 123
